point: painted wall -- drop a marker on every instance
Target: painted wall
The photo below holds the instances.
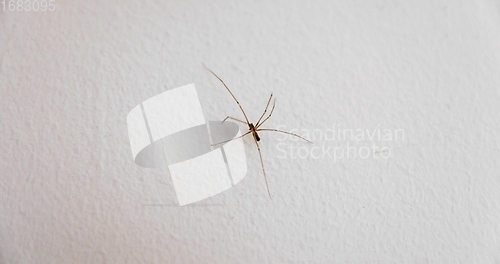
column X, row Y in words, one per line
column 71, row 193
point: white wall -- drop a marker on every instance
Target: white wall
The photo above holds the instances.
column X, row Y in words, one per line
column 71, row 193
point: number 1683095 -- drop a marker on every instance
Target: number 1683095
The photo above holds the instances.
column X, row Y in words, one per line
column 28, row 5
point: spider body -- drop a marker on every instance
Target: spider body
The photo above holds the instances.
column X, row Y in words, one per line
column 254, row 131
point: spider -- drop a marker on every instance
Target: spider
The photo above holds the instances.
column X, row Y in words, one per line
column 254, row 129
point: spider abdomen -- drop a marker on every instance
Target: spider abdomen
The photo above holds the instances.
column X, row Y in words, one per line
column 254, row 131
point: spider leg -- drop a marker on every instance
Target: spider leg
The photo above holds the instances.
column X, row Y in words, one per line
column 270, row 114
column 227, row 88
column 265, row 110
column 235, row 119
column 232, row 139
column 263, row 170
column 285, row 132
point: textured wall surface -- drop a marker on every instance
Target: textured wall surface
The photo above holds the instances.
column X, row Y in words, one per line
column 71, row 193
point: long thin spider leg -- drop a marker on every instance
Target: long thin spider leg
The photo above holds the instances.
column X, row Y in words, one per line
column 232, row 138
column 235, row 119
column 265, row 110
column 263, row 170
column 227, row 88
column 281, row 131
column 270, row 114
